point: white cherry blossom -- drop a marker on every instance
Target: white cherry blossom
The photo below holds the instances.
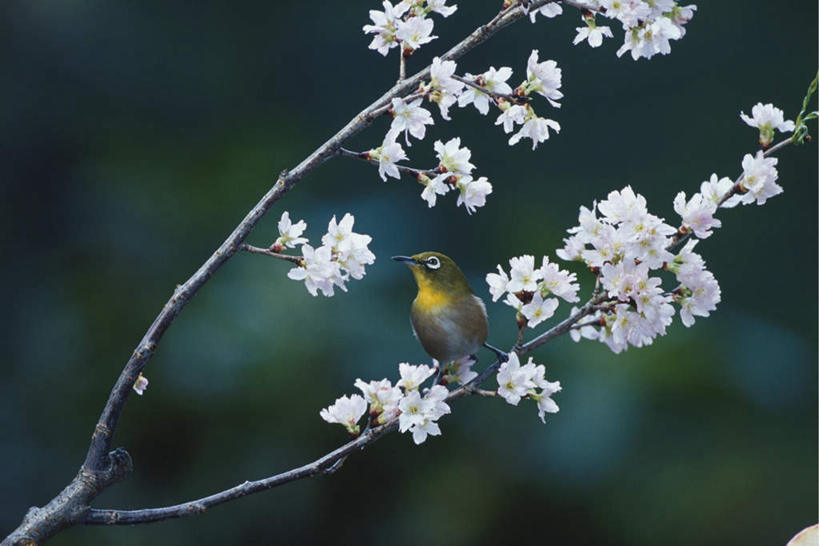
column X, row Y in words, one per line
column 492, row 80
column 434, row 187
column 388, row 155
column 522, row 274
column 415, row 32
column 382, row 397
column 557, row 281
column 544, row 78
column 384, row 26
column 715, row 188
column 498, row 283
column 759, row 177
column 537, row 129
column 452, row 157
column 410, row 118
column 549, row 10
column 346, row 411
column 440, row 7
column 412, row 376
column 473, row 192
column 592, row 33
column 290, row 233
column 697, row 214
column 514, row 382
column 767, row 118
column 319, row 271
column 539, row 309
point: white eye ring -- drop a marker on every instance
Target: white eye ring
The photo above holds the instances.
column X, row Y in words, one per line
column 433, row 263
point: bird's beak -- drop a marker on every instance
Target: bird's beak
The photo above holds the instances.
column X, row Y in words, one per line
column 407, row 259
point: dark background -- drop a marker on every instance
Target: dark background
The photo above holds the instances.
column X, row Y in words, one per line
column 138, row 134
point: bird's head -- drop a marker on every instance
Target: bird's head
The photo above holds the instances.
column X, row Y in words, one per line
column 437, row 272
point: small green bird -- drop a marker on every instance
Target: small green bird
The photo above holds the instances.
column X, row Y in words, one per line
column 447, row 317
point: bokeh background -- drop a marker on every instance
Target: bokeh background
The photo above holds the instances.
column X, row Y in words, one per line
column 138, row 134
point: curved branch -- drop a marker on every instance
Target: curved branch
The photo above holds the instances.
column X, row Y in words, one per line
column 70, row 507
column 327, row 464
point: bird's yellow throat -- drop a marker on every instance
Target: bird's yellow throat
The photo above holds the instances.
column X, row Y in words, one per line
column 430, row 297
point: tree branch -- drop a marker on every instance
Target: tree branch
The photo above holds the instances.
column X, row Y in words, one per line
column 70, row 506
column 327, row 464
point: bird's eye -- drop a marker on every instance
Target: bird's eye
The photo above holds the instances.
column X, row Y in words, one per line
column 433, row 263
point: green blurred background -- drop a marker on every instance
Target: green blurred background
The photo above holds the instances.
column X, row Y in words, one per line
column 137, row 136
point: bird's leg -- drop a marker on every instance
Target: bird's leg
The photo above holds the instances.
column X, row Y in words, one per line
column 439, row 374
column 502, row 357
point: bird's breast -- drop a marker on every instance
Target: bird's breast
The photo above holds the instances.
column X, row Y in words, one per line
column 449, row 327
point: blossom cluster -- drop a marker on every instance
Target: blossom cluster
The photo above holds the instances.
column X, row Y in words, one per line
column 649, row 25
column 418, row 410
column 405, row 24
column 417, row 413
column 343, row 254
column 516, row 382
column 531, row 290
column 627, row 246
column 445, row 88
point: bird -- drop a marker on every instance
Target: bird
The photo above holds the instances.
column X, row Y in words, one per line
column 447, row 317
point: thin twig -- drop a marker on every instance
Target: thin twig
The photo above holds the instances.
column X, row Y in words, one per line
column 484, row 392
column 684, row 234
column 494, row 94
column 267, row 252
column 364, row 156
